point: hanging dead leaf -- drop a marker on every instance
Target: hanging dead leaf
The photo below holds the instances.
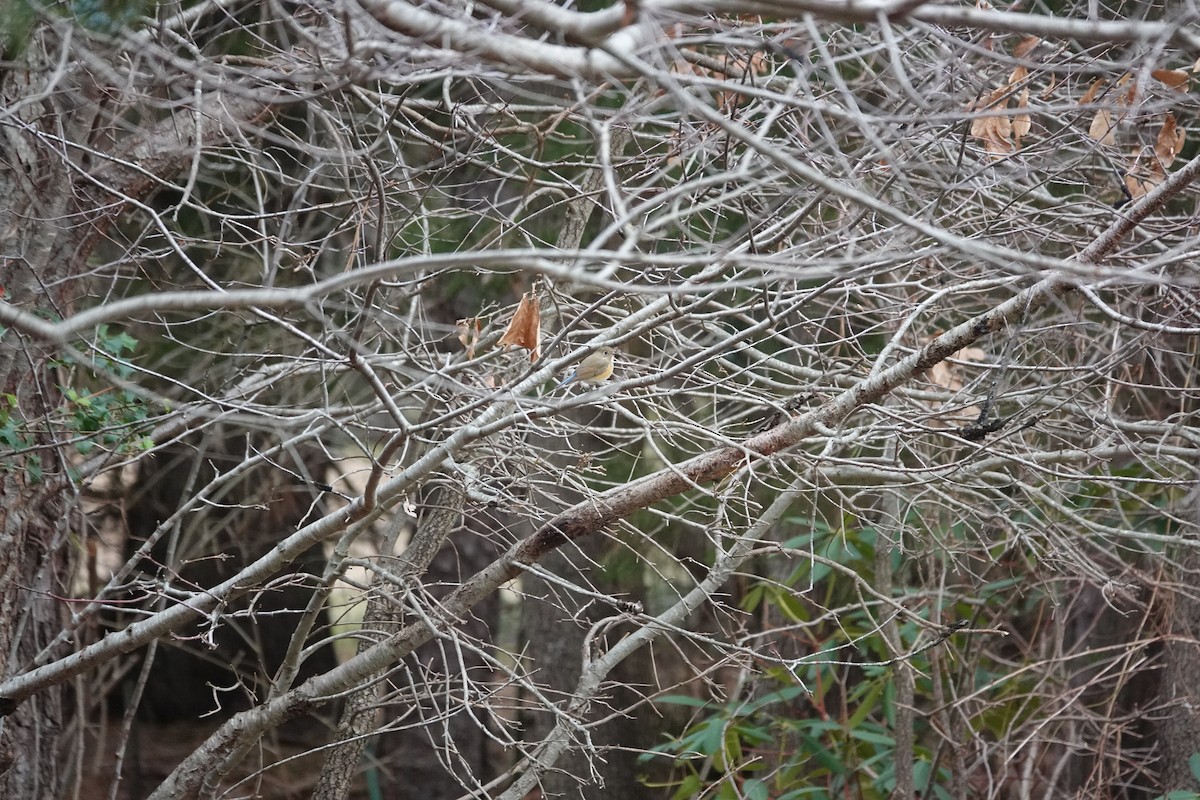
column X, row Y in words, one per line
column 1174, row 78
column 1021, row 122
column 941, row 374
column 1101, row 128
column 1050, row 87
column 1142, row 178
column 1026, row 45
column 994, row 132
column 685, row 67
column 949, row 376
column 1092, row 92
column 468, row 334
column 758, row 63
column 1169, row 142
column 1018, row 75
column 999, row 141
column 1131, row 94
column 630, row 14
column 525, row 330
column 988, row 40
column 991, row 133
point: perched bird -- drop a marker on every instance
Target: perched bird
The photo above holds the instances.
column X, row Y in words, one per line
column 593, row 369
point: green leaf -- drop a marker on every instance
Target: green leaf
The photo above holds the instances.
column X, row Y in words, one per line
column 792, row 606
column 731, row 746
column 822, row 755
column 33, row 466
column 784, row 695
column 690, row 786
column 727, row 791
column 1194, row 765
column 872, row 738
column 753, row 597
column 122, row 343
column 866, row 705
column 684, row 700
column 755, row 790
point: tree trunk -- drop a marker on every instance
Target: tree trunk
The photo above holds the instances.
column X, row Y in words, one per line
column 37, row 250
column 1179, row 731
column 610, row 769
column 32, row 567
column 418, row 756
column 57, row 202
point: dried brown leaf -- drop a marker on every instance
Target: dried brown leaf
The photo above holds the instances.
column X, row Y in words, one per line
column 1018, row 75
column 970, row 354
column 1131, row 94
column 988, row 42
column 1169, row 142
column 1092, row 92
column 1021, row 123
column 630, row 14
column 949, row 376
column 1024, row 46
column 1101, row 128
column 999, row 141
column 684, row 67
column 468, row 334
column 1141, row 179
column 946, row 374
column 525, row 329
column 942, row 375
column 1050, row 87
column 983, row 129
column 1174, row 78
column 994, row 133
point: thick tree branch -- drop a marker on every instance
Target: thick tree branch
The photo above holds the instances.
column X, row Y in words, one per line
column 611, row 35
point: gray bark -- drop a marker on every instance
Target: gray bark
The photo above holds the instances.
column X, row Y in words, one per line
column 1179, row 732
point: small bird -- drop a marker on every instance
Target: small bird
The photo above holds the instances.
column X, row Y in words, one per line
column 593, row 369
